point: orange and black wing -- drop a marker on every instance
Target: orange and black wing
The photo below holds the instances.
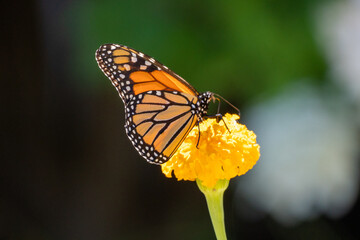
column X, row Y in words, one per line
column 132, row 72
column 160, row 106
column 157, row 122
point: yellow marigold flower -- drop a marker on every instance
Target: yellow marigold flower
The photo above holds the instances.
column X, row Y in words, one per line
column 221, row 154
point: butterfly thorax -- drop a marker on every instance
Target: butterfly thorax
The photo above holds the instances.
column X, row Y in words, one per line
column 203, row 104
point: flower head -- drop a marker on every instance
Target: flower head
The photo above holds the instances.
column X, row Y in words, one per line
column 220, row 154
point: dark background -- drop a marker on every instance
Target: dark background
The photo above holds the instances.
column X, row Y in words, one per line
column 67, row 169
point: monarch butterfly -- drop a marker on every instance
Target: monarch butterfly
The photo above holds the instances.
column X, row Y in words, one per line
column 160, row 107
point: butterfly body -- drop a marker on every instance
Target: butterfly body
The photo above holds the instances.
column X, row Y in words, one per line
column 160, row 107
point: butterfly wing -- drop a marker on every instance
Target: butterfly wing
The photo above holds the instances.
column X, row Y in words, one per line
column 160, row 106
column 157, row 122
column 132, row 72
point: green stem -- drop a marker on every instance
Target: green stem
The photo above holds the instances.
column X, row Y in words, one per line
column 214, row 199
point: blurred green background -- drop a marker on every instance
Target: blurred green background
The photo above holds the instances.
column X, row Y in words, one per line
column 68, row 170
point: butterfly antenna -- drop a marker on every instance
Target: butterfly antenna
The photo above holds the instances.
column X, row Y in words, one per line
column 231, row 105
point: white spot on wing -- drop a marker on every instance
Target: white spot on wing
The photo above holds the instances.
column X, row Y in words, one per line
column 127, row 67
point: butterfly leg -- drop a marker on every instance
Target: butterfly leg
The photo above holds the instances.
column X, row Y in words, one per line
column 198, row 141
column 219, row 117
column 218, row 98
column 218, row 109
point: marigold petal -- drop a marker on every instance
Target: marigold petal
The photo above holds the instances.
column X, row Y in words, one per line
column 221, row 154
